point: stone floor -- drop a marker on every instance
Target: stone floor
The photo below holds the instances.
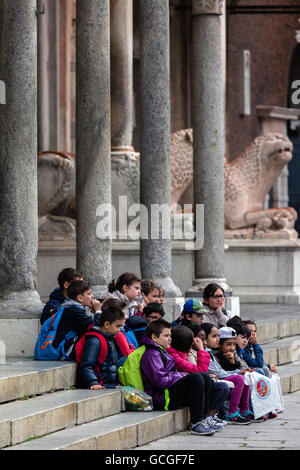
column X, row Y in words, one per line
column 281, row 433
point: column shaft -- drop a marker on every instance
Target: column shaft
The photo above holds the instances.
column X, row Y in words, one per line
column 121, row 75
column 155, row 254
column 93, row 165
column 18, row 153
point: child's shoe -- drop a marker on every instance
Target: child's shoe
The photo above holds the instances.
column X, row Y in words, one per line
column 272, row 415
column 236, row 418
column 202, row 428
column 219, row 420
column 213, row 424
column 249, row 414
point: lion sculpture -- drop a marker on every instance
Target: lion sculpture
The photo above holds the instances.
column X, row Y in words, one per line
column 247, row 180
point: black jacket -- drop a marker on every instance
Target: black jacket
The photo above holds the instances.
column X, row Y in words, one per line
column 87, row 373
column 56, row 298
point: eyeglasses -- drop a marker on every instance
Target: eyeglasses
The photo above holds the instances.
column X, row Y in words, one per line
column 217, row 297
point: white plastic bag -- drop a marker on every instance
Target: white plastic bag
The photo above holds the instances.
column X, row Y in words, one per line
column 265, row 393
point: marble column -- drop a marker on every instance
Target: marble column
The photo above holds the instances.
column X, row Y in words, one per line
column 121, row 43
column 93, row 164
column 208, row 140
column 155, row 248
column 18, row 166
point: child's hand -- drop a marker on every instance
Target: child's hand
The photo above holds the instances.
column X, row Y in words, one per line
column 142, row 305
column 197, row 344
column 96, row 305
column 230, row 357
column 253, row 338
column 243, row 371
column 97, row 387
column 273, row 368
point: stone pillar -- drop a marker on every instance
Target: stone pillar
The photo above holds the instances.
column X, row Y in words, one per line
column 155, row 249
column 18, row 166
column 208, row 140
column 93, row 164
column 121, row 42
column 48, row 77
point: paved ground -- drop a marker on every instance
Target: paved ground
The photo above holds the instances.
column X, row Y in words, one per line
column 281, row 433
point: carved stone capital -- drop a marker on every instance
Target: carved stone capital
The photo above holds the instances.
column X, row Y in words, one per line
column 207, row 7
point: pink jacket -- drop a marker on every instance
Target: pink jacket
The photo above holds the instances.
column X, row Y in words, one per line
column 183, row 365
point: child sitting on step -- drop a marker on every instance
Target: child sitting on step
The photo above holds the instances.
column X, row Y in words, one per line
column 172, row 389
column 238, row 412
column 96, row 353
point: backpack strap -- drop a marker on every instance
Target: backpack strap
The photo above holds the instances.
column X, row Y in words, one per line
column 80, row 345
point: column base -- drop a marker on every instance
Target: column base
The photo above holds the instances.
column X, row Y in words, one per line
column 24, row 304
column 100, row 291
column 171, row 290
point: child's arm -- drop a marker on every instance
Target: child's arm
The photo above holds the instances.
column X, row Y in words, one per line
column 257, row 360
column 154, row 371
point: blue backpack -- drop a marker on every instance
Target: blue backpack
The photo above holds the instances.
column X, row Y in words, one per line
column 44, row 351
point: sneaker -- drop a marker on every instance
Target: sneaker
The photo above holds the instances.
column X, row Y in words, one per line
column 236, row 418
column 249, row 414
column 219, row 420
column 213, row 424
column 272, row 415
column 202, row 428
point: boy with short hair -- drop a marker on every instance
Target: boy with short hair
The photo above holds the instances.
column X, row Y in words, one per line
column 192, row 314
column 171, row 389
column 136, row 324
column 76, row 315
column 93, row 373
column 59, row 295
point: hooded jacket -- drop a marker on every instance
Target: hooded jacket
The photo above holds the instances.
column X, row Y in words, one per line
column 157, row 376
column 182, row 363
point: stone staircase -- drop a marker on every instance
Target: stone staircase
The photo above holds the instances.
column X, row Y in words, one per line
column 40, row 409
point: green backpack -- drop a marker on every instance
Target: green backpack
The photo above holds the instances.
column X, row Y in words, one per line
column 130, row 372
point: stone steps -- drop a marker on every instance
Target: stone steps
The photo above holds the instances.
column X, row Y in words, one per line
column 123, row 431
column 26, row 419
column 40, row 409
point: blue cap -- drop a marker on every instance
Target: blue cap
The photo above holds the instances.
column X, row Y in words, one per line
column 194, row 305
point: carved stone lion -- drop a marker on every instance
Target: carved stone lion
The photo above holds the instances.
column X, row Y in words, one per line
column 247, row 180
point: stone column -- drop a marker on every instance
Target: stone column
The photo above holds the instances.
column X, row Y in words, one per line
column 208, row 140
column 93, row 165
column 155, row 249
column 18, row 166
column 121, row 42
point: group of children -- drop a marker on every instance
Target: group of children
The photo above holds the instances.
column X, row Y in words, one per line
column 198, row 361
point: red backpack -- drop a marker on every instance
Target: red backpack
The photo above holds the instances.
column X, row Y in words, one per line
column 79, row 347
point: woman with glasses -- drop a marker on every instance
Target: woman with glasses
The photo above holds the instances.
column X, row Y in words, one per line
column 214, row 304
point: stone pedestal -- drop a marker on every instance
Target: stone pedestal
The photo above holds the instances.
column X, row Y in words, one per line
column 264, row 271
column 18, row 167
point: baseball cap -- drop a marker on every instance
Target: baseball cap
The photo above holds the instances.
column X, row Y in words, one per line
column 194, row 305
column 226, row 332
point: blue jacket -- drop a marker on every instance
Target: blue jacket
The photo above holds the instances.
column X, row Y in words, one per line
column 247, row 355
column 87, row 373
column 56, row 298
